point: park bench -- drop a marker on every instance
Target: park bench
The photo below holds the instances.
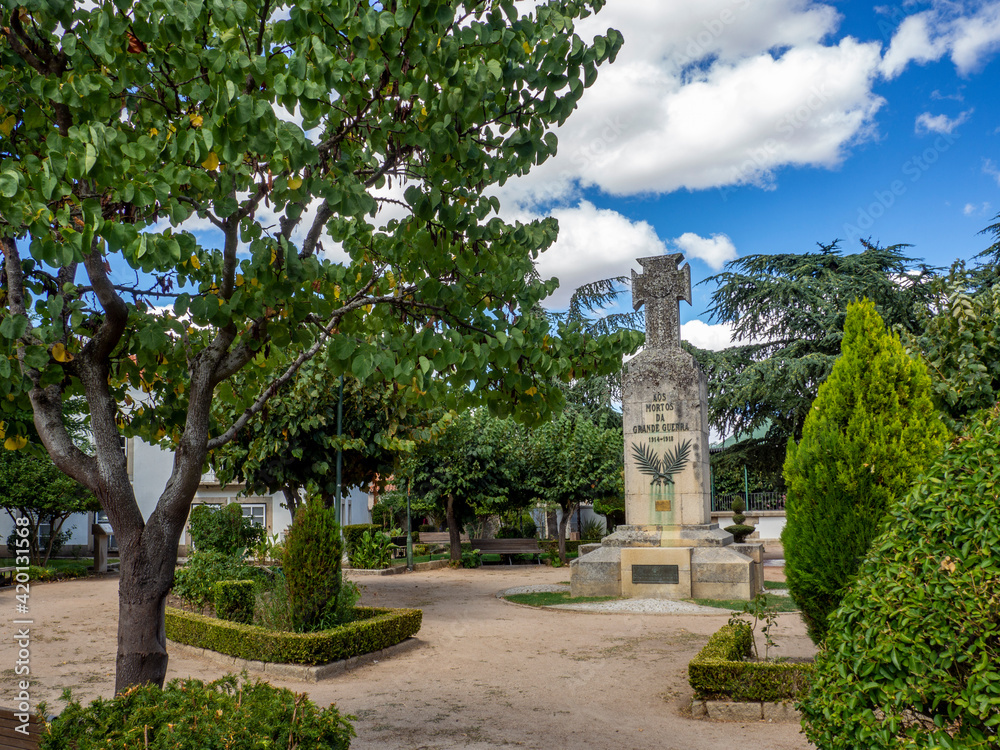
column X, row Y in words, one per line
column 7, row 576
column 11, row 739
column 508, row 547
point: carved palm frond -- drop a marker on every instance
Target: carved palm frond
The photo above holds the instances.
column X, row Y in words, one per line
column 673, row 461
column 647, row 460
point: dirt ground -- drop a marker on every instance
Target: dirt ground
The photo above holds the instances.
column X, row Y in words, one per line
column 486, row 674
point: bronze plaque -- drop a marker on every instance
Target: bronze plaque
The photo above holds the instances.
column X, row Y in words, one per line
column 656, row 574
column 663, row 505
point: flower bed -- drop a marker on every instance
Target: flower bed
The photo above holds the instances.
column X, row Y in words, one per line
column 374, row 629
column 720, row 671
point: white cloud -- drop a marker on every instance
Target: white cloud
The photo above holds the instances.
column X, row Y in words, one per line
column 976, row 209
column 968, row 32
column 928, row 123
column 710, row 94
column 594, row 243
column 712, row 337
column 990, row 168
column 716, row 250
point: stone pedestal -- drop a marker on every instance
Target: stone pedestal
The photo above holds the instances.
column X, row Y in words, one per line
column 670, row 548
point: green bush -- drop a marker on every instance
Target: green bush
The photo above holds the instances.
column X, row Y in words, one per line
column 234, row 600
column 509, row 532
column 312, row 565
column 371, row 629
column 354, row 532
column 740, row 532
column 720, row 671
column 373, row 551
column 195, row 582
column 272, row 609
column 190, row 715
column 471, row 558
column 871, row 430
column 911, row 657
column 592, row 530
column 425, row 527
column 224, row 530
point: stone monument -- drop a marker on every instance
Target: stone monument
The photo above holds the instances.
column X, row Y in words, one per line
column 669, row 547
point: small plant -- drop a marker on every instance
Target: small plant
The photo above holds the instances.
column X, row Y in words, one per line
column 268, row 549
column 472, row 558
column 739, row 530
column 761, row 612
column 373, row 551
column 592, row 530
column 312, row 565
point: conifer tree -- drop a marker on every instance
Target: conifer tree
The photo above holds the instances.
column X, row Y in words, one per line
column 871, row 430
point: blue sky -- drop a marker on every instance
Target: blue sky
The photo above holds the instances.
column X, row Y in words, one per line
column 733, row 127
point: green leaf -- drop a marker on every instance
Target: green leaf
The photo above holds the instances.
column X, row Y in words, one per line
column 8, row 184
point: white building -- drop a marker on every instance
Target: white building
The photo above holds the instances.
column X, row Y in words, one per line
column 149, row 468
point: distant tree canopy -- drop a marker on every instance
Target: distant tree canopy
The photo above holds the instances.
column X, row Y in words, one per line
column 790, row 309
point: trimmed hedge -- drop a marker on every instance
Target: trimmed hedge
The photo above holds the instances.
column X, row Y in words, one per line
column 353, row 533
column 375, row 628
column 234, row 600
column 720, row 672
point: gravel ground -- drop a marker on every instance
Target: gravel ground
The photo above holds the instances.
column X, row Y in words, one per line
column 485, row 675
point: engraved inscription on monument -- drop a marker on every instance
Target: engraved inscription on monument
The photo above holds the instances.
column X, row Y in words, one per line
column 656, row 574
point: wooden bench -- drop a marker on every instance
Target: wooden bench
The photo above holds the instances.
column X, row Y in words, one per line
column 508, row 547
column 11, row 739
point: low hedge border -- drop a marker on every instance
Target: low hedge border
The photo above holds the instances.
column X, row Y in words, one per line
column 375, row 629
column 720, row 672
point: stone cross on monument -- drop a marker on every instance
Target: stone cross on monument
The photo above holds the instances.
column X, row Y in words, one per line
column 660, row 288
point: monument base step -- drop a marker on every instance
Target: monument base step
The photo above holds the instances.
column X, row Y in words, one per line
column 702, row 535
column 669, row 572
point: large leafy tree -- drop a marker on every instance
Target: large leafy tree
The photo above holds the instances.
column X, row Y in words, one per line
column 577, row 460
column 282, row 127
column 292, row 444
column 33, row 488
column 472, row 466
column 790, row 309
column 871, row 431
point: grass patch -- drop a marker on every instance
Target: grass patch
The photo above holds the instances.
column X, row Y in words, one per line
column 548, row 598
column 80, row 564
column 769, row 585
column 777, row 603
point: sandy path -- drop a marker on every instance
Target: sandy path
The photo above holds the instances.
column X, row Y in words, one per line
column 487, row 674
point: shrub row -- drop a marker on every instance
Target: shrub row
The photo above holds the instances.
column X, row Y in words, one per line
column 373, row 629
column 720, row 672
column 190, row 715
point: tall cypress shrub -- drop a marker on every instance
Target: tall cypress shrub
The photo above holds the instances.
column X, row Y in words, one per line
column 311, row 564
column 871, row 430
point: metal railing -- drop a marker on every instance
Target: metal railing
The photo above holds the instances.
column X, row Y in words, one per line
column 758, row 501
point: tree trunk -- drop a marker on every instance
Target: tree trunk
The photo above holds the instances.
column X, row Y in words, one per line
column 291, row 499
column 563, row 525
column 146, row 578
column 454, row 533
